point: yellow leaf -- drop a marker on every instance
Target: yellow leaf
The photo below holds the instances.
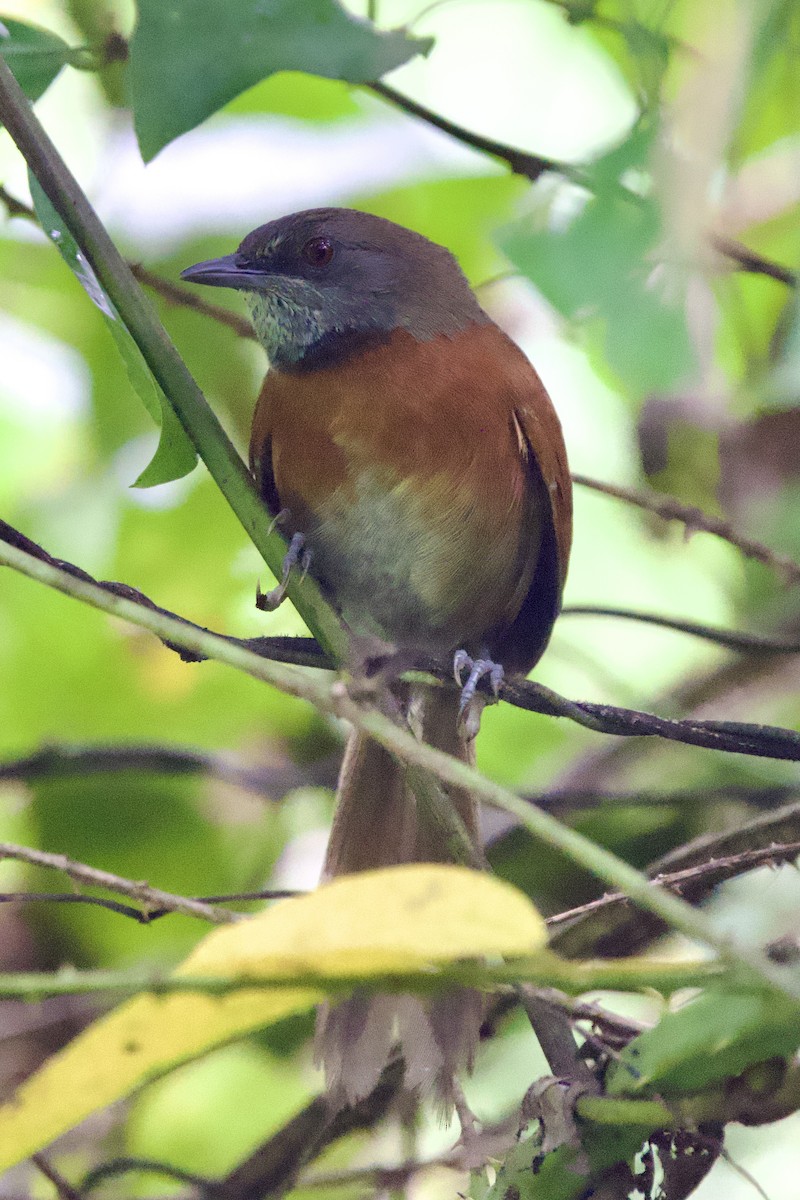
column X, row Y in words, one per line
column 396, row 920
column 132, row 1045
column 377, row 922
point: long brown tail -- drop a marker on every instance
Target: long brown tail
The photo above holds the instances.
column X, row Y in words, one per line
column 376, row 825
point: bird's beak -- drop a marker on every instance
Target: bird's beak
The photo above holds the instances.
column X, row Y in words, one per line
column 225, row 272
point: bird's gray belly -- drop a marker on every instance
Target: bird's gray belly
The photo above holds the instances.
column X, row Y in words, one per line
column 389, row 565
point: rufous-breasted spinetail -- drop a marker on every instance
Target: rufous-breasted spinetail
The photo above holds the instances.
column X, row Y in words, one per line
column 414, row 448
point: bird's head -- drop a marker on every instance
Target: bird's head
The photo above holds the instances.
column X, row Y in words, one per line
column 320, row 281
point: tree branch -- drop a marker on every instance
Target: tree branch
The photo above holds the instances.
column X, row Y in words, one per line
column 169, row 370
column 693, row 883
column 171, row 292
column 543, row 970
column 747, row 643
column 181, row 297
column 521, row 162
column 64, row 1189
column 751, row 262
column 62, row 761
column 696, row 521
column 141, row 892
column 142, row 916
column 399, row 741
column 622, row 930
column 763, row 741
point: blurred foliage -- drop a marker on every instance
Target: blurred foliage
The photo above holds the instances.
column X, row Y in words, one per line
column 666, row 364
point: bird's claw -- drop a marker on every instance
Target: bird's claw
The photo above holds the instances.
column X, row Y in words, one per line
column 295, row 556
column 479, row 668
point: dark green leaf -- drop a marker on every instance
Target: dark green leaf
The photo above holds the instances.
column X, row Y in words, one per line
column 34, row 55
column 190, row 57
column 712, row 1037
column 175, row 455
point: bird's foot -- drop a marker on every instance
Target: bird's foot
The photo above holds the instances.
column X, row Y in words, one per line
column 295, row 556
column 471, row 704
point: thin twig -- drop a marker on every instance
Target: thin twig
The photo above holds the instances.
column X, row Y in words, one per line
column 115, row 906
column 181, row 297
column 63, row 1187
column 696, row 521
column 752, row 262
column 382, row 1179
column 621, row 930
column 114, row 1167
column 694, row 881
column 172, row 293
column 140, row 891
column 749, row 643
column 531, row 166
column 574, row 800
column 59, row 761
column 142, row 916
column 16, row 207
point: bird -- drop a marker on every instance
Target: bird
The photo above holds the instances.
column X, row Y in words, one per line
column 418, row 465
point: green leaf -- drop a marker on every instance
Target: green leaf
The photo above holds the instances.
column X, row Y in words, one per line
column 175, row 456
column 190, row 57
column 714, row 1036
column 34, row 55
column 402, row 919
column 597, row 272
column 567, row 1172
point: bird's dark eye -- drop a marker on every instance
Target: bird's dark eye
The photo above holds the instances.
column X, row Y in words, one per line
column 318, row 251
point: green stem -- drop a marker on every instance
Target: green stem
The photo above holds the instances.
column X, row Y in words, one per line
column 183, row 394
column 541, row 970
column 335, row 699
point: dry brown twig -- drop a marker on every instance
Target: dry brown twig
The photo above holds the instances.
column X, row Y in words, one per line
column 695, row 521
column 140, row 891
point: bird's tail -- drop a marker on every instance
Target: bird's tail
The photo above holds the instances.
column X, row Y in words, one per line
column 376, row 825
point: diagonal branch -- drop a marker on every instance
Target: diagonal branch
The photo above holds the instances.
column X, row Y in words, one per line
column 696, row 521
column 181, row 297
column 166, row 365
column 171, row 292
column 531, row 166
column 747, row 643
column 142, row 892
column 751, row 262
column 620, row 930
column 693, row 883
